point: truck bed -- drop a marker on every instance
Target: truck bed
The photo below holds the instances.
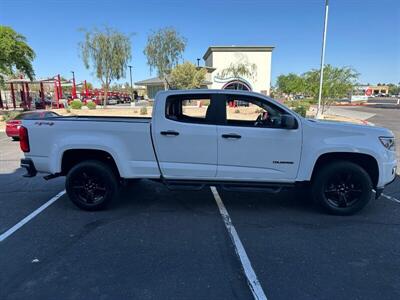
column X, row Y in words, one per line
column 127, row 139
column 101, row 119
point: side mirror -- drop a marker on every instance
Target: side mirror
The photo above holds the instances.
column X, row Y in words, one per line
column 288, row 122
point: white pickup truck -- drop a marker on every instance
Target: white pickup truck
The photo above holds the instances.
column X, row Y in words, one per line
column 185, row 146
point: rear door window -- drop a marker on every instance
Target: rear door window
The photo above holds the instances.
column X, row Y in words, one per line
column 194, row 108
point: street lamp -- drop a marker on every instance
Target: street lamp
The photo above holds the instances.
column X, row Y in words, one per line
column 130, row 74
column 198, row 62
column 321, row 77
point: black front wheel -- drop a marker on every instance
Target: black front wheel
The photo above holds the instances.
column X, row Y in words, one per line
column 91, row 185
column 342, row 188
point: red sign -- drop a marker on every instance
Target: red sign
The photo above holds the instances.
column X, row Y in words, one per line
column 368, row 92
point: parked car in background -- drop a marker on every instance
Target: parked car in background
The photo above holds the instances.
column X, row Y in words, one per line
column 112, row 100
column 126, row 99
column 39, row 103
column 12, row 126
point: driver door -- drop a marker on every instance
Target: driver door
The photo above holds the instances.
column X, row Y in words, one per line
column 251, row 144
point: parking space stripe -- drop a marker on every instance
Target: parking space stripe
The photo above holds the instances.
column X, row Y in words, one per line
column 252, row 280
column 391, row 198
column 29, row 217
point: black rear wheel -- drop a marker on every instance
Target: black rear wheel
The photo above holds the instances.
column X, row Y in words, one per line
column 342, row 188
column 91, row 185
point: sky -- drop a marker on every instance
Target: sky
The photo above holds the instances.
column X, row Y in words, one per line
column 363, row 34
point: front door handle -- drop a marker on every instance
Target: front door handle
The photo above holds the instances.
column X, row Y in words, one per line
column 170, row 132
column 231, row 136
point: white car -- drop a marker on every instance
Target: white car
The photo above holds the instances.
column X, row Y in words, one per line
column 112, row 101
column 185, row 146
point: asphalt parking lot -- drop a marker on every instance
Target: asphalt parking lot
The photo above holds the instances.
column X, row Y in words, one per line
column 159, row 244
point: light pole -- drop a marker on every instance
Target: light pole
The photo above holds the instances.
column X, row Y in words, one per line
column 198, row 62
column 130, row 74
column 73, row 85
column 321, row 77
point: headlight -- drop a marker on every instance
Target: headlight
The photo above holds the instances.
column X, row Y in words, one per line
column 388, row 142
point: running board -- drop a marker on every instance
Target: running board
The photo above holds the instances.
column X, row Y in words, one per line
column 183, row 186
column 249, row 188
column 196, row 185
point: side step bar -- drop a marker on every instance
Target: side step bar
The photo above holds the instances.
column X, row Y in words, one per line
column 196, row 185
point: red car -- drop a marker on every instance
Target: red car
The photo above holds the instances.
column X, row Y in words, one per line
column 12, row 126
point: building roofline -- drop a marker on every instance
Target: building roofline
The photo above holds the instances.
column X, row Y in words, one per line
column 235, row 48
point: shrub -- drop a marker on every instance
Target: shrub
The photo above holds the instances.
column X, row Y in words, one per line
column 143, row 110
column 91, row 105
column 76, row 104
column 301, row 110
column 301, row 107
column 237, row 111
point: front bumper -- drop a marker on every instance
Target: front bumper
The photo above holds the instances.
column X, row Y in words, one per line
column 379, row 191
column 28, row 164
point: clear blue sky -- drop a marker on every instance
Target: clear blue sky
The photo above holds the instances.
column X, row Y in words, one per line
column 364, row 34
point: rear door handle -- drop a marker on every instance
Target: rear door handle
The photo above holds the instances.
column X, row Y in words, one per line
column 170, row 132
column 231, row 136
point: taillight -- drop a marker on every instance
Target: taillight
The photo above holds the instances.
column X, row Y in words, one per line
column 24, row 139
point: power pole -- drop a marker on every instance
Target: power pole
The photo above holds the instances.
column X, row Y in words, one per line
column 321, row 77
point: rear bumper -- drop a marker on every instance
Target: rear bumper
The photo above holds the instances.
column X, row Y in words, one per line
column 28, row 164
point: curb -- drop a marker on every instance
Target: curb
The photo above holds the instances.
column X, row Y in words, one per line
column 367, row 123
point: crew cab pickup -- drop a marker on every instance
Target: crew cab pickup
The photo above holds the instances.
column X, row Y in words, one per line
column 197, row 138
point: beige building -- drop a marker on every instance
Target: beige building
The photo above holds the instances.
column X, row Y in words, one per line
column 223, row 65
column 256, row 59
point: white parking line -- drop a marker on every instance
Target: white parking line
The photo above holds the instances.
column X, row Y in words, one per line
column 29, row 217
column 252, row 280
column 391, row 198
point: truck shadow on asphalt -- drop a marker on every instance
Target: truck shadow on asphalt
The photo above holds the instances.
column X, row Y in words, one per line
column 146, row 195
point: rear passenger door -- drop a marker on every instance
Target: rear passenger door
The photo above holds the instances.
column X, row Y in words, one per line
column 185, row 137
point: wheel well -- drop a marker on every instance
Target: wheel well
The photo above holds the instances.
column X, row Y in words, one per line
column 365, row 161
column 72, row 157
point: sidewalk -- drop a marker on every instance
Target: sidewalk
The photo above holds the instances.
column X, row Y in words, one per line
column 349, row 113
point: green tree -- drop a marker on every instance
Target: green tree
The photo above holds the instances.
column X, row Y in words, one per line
column 163, row 50
column 338, row 82
column 237, row 70
column 107, row 52
column 187, row 76
column 88, row 85
column 290, row 84
column 15, row 54
column 394, row 89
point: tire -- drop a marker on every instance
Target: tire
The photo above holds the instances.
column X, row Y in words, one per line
column 15, row 138
column 342, row 188
column 91, row 185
